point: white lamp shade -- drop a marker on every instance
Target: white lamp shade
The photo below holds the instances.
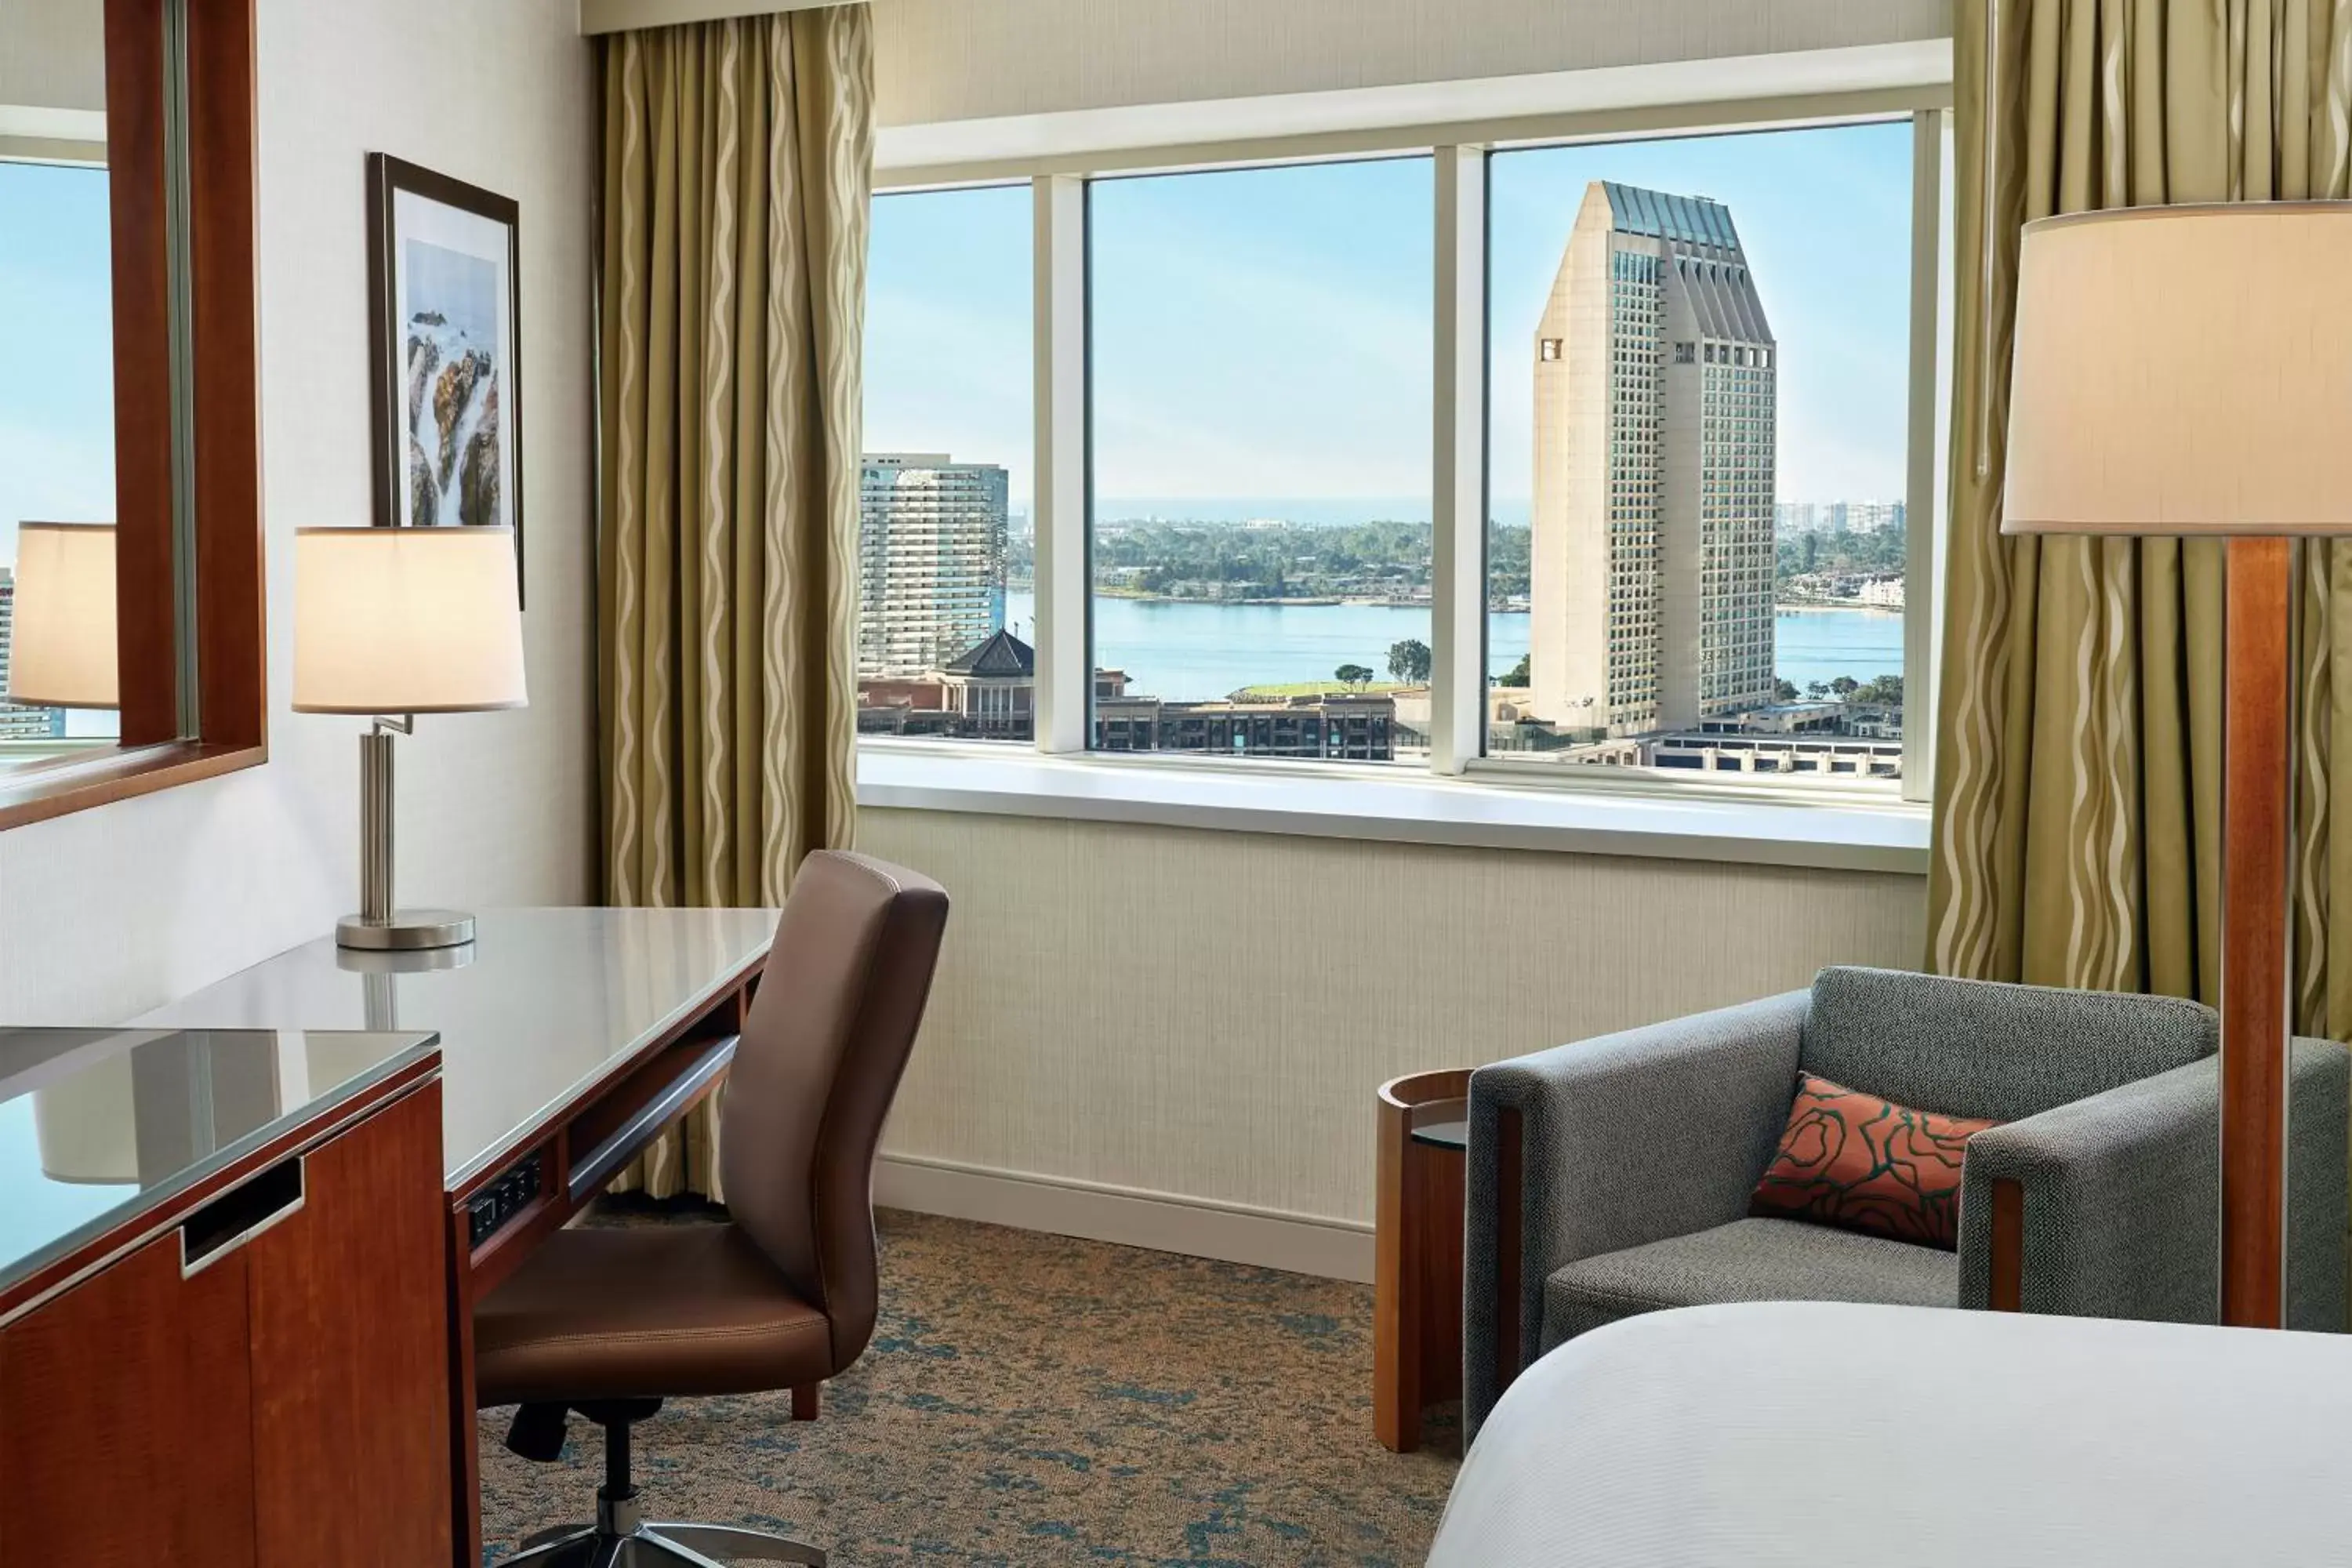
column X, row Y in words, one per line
column 61, row 642
column 2183, row 371
column 406, row 620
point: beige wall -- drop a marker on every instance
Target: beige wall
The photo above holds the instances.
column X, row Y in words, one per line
column 1207, row 1014
column 114, row 910
column 958, row 60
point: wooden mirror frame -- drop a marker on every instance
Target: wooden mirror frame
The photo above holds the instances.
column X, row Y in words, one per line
column 222, row 440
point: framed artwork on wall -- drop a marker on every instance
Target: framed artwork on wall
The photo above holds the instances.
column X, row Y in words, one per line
column 444, row 305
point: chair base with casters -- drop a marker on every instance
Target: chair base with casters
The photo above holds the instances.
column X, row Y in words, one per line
column 621, row 1537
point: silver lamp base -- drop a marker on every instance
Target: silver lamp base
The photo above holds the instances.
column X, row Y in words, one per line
column 406, row 930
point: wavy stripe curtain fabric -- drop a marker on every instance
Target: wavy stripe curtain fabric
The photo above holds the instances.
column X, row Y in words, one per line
column 738, row 159
column 2078, row 827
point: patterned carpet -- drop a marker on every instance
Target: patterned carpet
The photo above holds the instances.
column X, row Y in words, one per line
column 1032, row 1399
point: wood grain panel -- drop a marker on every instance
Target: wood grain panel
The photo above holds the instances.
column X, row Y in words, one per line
column 224, row 288
column 126, row 1425
column 2255, row 792
column 1417, row 1260
column 349, row 1336
column 140, row 270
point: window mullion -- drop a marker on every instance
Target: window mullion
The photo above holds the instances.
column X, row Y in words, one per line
column 1922, row 511
column 1458, row 465
column 1065, row 673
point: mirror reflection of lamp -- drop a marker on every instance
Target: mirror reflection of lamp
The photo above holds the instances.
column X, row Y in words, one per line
column 61, row 651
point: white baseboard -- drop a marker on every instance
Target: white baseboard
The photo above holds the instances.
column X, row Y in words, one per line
column 1265, row 1238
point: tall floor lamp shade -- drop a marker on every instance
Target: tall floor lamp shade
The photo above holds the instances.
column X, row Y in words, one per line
column 2188, row 371
column 390, row 623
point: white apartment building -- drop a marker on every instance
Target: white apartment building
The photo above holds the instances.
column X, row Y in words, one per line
column 930, row 556
column 1654, row 453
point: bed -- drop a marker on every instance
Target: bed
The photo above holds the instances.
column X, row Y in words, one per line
column 1792, row 1432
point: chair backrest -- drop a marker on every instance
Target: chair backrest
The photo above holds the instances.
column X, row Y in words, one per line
column 1976, row 1047
column 818, row 1065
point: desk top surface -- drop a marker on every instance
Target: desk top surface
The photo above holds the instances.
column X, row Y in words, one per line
column 540, row 1006
column 99, row 1127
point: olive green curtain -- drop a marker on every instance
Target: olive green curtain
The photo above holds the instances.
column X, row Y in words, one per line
column 2078, row 766
column 737, row 162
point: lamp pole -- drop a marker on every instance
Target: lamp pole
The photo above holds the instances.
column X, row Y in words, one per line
column 2256, row 791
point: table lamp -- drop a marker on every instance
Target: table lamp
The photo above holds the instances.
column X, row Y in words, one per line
column 390, row 623
column 2187, row 371
column 61, row 644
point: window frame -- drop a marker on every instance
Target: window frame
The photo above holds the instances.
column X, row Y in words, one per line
column 1059, row 163
column 180, row 131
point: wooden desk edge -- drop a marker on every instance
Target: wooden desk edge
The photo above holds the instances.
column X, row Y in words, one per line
column 111, row 1244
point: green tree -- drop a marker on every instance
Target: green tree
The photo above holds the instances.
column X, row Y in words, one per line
column 1845, row 686
column 1358, row 675
column 1409, row 661
column 1817, row 689
column 1884, row 689
column 1523, row 674
column 1784, row 690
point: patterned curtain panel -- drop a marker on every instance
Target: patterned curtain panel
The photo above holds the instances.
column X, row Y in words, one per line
column 738, row 159
column 2078, row 770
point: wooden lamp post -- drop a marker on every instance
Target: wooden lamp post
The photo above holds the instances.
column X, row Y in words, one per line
column 2187, row 371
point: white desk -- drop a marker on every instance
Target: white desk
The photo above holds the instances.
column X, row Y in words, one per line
column 569, row 1038
column 542, row 1006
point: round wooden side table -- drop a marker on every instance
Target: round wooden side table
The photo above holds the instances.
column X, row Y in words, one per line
column 1417, row 1270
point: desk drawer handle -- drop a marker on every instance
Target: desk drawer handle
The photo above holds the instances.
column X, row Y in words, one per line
column 236, row 1217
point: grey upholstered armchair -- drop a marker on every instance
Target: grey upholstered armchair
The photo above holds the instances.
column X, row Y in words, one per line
column 1613, row 1176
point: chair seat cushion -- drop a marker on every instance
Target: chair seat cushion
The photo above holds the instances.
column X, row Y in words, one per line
column 646, row 1311
column 1746, row 1260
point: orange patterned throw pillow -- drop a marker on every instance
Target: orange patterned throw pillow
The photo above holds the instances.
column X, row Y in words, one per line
column 1859, row 1162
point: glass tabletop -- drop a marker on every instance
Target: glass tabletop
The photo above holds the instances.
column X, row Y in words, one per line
column 97, row 1125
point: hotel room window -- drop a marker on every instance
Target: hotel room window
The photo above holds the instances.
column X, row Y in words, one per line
column 1750, row 373
column 56, row 448
column 947, row 630
column 1260, row 420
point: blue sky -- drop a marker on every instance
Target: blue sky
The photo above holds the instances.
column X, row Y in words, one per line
column 1264, row 335
column 56, row 366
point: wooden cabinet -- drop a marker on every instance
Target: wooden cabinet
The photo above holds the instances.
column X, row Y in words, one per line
column 262, row 1385
column 349, row 1326
column 125, row 1424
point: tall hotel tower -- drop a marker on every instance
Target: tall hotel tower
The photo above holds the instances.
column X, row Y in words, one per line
column 930, row 560
column 1653, row 486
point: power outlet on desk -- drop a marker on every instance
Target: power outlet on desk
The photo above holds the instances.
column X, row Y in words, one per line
column 507, row 1195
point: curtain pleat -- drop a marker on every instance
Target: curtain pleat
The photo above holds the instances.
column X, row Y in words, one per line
column 2078, row 781
column 738, row 161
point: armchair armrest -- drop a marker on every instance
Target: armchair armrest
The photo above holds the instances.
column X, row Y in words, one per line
column 2121, row 1195
column 1605, row 1144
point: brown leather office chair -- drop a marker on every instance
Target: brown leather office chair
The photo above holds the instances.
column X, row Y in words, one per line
column 608, row 1322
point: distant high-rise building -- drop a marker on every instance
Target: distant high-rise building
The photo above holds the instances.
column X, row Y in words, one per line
column 1791, row 518
column 1655, row 401
column 20, row 723
column 930, row 560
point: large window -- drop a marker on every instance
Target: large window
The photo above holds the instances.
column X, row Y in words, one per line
column 1260, row 352
column 1698, row 355
column 57, row 408
column 946, row 636
column 1602, row 460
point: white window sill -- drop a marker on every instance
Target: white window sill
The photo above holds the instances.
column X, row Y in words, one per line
column 1398, row 805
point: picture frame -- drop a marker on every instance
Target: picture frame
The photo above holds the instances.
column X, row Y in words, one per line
column 445, row 310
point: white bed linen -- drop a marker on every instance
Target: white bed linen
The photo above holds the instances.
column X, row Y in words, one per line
column 1815, row 1434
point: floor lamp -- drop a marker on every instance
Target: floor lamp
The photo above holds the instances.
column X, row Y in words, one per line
column 2187, row 371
